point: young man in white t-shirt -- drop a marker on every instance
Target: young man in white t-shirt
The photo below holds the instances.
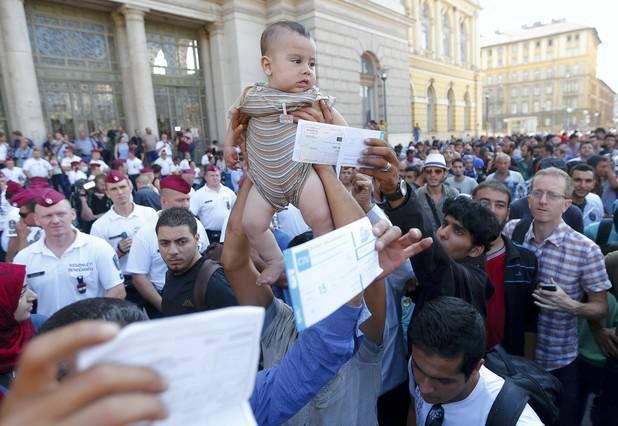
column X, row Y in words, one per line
column 448, row 382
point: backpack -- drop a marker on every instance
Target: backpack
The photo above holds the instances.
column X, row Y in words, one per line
column 603, row 232
column 208, row 268
column 519, row 233
column 525, row 382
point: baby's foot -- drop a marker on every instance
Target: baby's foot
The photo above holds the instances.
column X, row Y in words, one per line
column 270, row 275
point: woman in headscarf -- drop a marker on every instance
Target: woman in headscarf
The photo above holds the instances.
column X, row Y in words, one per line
column 16, row 328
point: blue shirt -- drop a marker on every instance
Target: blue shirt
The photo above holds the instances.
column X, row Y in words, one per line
column 310, row 364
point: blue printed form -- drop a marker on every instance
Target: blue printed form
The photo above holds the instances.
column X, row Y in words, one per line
column 325, row 273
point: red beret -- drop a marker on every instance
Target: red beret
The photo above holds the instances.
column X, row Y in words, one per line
column 24, row 196
column 212, row 168
column 117, row 162
column 39, row 182
column 175, row 183
column 188, row 172
column 146, row 170
column 50, row 198
column 13, row 187
column 115, row 176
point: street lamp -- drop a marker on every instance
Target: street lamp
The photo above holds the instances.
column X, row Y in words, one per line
column 383, row 74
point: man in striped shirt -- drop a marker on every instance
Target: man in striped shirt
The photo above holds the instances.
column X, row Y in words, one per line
column 570, row 267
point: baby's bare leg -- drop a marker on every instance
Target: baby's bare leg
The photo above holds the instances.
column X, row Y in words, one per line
column 256, row 221
column 314, row 206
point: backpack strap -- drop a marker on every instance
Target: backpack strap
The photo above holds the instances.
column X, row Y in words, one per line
column 519, row 233
column 508, row 405
column 208, row 268
column 605, row 228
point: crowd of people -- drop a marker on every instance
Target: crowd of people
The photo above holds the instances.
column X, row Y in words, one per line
column 499, row 245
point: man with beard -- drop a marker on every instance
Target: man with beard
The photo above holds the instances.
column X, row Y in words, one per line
column 511, row 312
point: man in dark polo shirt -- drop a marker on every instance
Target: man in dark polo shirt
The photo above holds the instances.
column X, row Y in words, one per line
column 178, row 245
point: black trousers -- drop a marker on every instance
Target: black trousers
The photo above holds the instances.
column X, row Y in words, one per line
column 393, row 406
column 569, row 377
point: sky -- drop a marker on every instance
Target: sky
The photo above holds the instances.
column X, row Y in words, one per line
column 508, row 15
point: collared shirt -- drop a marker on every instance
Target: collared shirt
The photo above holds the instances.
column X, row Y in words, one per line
column 511, row 180
column 167, row 165
column 424, row 198
column 134, row 166
column 56, row 281
column 144, row 257
column 37, row 167
column 212, row 207
column 577, row 265
column 111, row 227
column 66, row 161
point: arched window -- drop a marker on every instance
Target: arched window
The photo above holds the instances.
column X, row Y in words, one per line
column 450, row 112
column 425, row 30
column 463, row 42
column 368, row 88
column 446, row 36
column 467, row 112
column 431, row 109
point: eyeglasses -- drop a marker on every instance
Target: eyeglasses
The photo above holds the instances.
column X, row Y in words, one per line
column 433, row 171
column 552, row 196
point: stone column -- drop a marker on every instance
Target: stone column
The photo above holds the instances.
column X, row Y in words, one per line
column 437, row 20
column 211, row 99
column 219, row 58
column 457, row 32
column 475, row 52
column 19, row 73
column 141, row 77
column 128, row 94
column 416, row 14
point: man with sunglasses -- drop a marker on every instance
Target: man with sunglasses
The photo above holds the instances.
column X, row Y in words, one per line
column 434, row 193
column 572, row 280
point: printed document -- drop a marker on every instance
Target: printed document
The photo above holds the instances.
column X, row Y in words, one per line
column 325, row 273
column 319, row 143
column 209, row 360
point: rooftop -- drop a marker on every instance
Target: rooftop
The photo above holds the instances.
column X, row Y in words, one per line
column 529, row 32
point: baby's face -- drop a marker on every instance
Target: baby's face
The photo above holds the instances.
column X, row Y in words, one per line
column 290, row 63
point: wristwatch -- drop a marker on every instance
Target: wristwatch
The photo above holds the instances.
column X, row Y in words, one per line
column 400, row 192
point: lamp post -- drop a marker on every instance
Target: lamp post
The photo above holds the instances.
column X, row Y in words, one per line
column 383, row 74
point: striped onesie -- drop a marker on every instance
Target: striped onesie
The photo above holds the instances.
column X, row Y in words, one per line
column 270, row 143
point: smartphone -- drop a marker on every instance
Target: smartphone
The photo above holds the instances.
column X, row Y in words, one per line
column 548, row 287
column 89, row 185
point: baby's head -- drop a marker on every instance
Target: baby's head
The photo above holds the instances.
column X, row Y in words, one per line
column 288, row 57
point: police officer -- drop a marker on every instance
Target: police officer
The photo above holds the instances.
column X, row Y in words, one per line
column 67, row 265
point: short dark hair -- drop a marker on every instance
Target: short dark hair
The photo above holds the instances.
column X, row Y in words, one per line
column 580, row 167
column 450, row 327
column 595, row 160
column 494, row 185
column 274, row 30
column 457, row 160
column 475, row 217
column 122, row 312
column 177, row 216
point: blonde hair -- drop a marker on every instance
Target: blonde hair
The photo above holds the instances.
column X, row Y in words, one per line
column 555, row 172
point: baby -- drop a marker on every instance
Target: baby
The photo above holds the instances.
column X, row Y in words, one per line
column 288, row 60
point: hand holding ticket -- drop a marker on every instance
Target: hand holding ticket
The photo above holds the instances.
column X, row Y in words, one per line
column 319, row 143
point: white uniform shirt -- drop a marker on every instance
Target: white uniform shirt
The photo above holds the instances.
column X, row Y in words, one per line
column 55, row 280
column 212, row 207
column 5, row 208
column 66, row 161
column 474, row 409
column 11, row 220
column 291, row 221
column 4, row 151
column 75, row 175
column 16, row 174
column 111, row 226
column 101, row 163
column 144, row 257
column 167, row 165
column 37, row 167
column 593, row 210
column 134, row 166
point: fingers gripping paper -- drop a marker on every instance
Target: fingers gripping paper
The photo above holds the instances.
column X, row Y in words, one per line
column 325, row 273
column 209, row 360
column 319, row 143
